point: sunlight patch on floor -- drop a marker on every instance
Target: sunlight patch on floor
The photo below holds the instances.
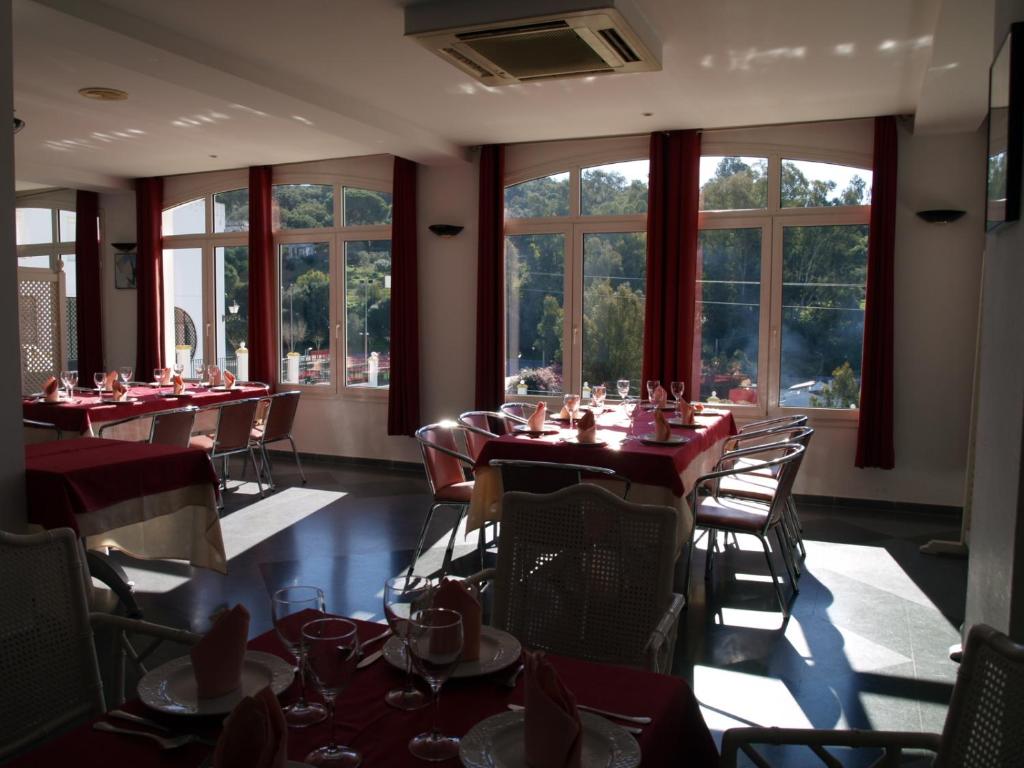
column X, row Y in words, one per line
column 731, row 699
column 257, row 522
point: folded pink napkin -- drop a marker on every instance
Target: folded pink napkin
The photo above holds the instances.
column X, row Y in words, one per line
column 553, row 731
column 179, row 384
column 229, row 379
column 255, row 735
column 686, row 411
column 662, row 431
column 109, row 379
column 217, row 658
column 215, row 379
column 536, row 420
column 586, row 429
column 120, row 390
column 51, row 390
column 660, row 396
column 460, row 597
column 165, row 376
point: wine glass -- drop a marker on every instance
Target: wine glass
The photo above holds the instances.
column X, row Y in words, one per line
column 597, row 396
column 622, row 385
column 157, row 375
column 98, row 378
column 652, row 384
column 678, row 388
column 630, row 406
column 65, row 379
column 331, row 648
column 403, row 596
column 72, row 383
column 178, row 369
column 435, row 644
column 125, row 372
column 285, row 603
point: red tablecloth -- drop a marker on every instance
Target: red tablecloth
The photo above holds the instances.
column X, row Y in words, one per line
column 677, row 737
column 79, row 416
column 64, row 478
column 648, row 464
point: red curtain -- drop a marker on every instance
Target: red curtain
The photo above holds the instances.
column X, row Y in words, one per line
column 875, row 429
column 490, row 280
column 263, row 354
column 404, row 392
column 670, row 327
column 149, row 275
column 87, row 276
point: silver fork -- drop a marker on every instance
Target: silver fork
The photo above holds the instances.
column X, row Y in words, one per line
column 120, row 714
column 164, row 742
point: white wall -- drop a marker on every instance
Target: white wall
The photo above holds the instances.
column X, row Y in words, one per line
column 12, row 449
column 995, row 577
column 117, row 212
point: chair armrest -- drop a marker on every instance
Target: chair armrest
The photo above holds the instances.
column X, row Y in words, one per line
column 736, row 739
column 487, row 574
column 661, row 641
column 137, row 626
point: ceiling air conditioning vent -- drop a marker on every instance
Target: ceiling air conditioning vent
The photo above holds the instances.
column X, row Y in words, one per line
column 567, row 40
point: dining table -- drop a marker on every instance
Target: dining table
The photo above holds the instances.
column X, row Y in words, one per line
column 88, row 407
column 149, row 501
column 658, row 473
column 676, row 736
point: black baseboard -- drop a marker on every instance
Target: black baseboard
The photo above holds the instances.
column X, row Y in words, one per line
column 880, row 505
column 348, row 461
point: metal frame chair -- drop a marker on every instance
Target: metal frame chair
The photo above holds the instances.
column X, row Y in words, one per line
column 446, row 468
column 165, row 428
column 982, row 725
column 278, row 420
column 518, row 412
column 41, row 427
column 776, row 422
column 49, row 666
column 482, row 426
column 756, row 518
column 549, row 476
column 231, row 436
column 583, row 573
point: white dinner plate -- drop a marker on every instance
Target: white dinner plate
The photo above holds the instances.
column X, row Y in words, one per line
column 171, row 687
column 498, row 649
column 126, row 401
column 711, row 412
column 650, row 439
column 222, row 388
column 524, row 429
column 576, row 441
column 171, row 394
column 498, row 742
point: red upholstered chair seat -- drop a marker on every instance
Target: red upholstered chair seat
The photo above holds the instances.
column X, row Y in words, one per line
column 457, row 493
column 735, row 514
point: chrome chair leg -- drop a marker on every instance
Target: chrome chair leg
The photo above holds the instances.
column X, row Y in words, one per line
column 775, row 576
column 787, row 558
column 259, row 482
column 422, row 540
column 298, row 463
column 450, row 549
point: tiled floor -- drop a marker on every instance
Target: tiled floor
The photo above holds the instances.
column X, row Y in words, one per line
column 866, row 645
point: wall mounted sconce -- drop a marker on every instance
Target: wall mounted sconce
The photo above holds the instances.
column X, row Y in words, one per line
column 124, row 247
column 445, row 230
column 940, row 215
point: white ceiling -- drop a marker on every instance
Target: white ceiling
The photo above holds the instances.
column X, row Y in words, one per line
column 233, row 83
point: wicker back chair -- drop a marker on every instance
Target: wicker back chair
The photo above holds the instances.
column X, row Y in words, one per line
column 583, row 573
column 51, row 677
column 550, row 476
column 982, row 728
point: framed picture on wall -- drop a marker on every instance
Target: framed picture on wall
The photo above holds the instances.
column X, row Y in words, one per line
column 1005, row 131
column 124, row 265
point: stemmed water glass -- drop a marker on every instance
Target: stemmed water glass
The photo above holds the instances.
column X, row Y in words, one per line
column 652, row 384
column 571, row 403
column 285, row 603
column 72, row 383
column 331, row 648
column 125, row 372
column 678, row 388
column 178, row 369
column 98, row 379
column 403, row 596
column 435, row 643
column 622, row 386
column 597, row 396
column 65, row 379
column 630, row 406
column 157, row 375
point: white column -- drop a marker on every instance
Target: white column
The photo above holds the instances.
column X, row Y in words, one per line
column 242, row 364
column 291, row 373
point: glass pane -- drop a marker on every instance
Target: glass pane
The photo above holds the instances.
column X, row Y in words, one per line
column 614, row 270
column 534, row 301
column 303, row 206
column 71, row 307
column 185, row 219
column 67, row 226
column 183, row 287
column 37, row 262
column 729, row 307
column 231, row 211
column 33, row 225
column 811, row 185
column 305, row 313
column 366, row 207
column 614, row 190
column 231, row 277
column 733, row 183
column 368, row 313
column 547, row 196
column 824, row 270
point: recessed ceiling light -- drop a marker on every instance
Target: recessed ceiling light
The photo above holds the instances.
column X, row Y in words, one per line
column 647, row 114
column 103, row 94
column 214, row 156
